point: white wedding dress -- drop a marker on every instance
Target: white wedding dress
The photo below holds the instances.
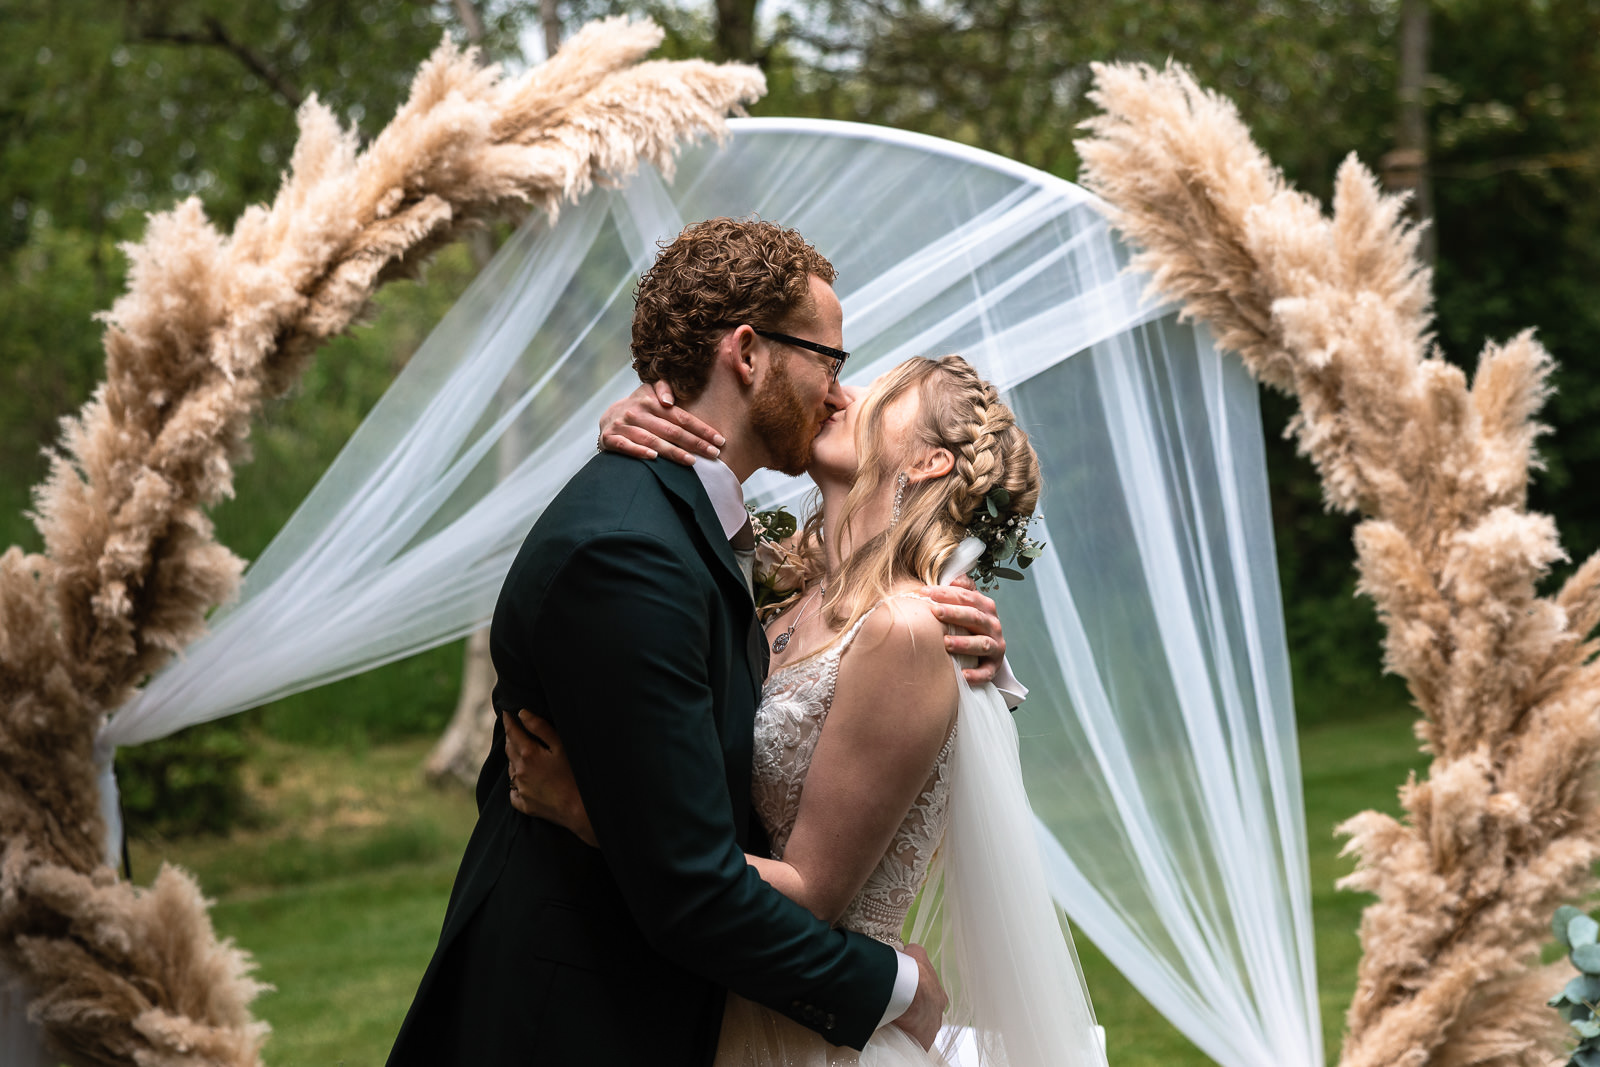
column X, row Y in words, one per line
column 794, row 706
column 968, row 847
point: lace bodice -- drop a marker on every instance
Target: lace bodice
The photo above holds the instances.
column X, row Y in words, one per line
column 794, row 705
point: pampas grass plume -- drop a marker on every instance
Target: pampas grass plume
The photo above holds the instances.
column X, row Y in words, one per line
column 1335, row 311
column 210, row 327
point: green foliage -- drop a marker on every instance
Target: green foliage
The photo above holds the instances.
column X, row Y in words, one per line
column 410, row 698
column 109, row 114
column 50, row 288
column 1314, row 78
column 1516, row 109
column 189, row 783
column 1579, row 1001
column 1006, row 540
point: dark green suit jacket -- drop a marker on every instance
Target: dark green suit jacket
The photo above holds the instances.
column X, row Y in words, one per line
column 626, row 622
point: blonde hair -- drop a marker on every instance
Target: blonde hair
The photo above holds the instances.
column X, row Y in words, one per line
column 959, row 411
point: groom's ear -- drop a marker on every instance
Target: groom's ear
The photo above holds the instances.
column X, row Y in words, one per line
column 737, row 350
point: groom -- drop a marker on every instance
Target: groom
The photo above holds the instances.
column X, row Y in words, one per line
column 627, row 623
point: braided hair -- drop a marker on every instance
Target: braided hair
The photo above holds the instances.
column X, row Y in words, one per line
column 959, row 411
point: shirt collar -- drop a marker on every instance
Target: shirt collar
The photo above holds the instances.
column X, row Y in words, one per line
column 727, row 495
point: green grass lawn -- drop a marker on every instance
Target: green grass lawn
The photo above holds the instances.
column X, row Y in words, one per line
column 340, row 892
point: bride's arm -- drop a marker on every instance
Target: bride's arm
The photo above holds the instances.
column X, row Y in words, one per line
column 892, row 710
column 648, row 421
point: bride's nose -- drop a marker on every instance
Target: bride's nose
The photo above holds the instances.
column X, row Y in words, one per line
column 841, row 396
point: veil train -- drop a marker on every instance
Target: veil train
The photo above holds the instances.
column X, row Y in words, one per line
column 1158, row 743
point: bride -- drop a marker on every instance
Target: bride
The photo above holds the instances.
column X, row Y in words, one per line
column 856, row 765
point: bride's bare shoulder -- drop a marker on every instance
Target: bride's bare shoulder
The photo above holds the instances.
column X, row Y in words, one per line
column 900, row 647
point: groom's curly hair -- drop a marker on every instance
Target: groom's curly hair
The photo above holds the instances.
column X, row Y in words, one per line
column 716, row 275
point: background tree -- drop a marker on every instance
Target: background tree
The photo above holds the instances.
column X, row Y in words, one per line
column 112, row 109
column 458, row 754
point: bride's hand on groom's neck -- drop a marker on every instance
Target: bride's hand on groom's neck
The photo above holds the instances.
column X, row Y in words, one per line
column 648, row 422
column 541, row 778
column 962, row 606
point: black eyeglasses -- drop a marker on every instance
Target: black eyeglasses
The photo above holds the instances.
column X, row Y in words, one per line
column 838, row 355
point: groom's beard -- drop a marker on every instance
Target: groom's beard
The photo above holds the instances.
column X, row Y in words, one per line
column 780, row 419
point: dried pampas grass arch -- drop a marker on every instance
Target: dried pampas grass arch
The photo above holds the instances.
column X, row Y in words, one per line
column 210, row 327
column 1334, row 311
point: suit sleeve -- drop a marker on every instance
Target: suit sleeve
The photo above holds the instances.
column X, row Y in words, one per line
column 648, row 761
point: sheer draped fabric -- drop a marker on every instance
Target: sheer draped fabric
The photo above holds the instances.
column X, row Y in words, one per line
column 1017, row 995
column 1158, row 743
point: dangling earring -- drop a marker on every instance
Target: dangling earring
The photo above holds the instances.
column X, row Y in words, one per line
column 899, row 495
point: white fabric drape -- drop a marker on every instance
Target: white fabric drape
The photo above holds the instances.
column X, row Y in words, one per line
column 1159, row 747
column 1016, row 991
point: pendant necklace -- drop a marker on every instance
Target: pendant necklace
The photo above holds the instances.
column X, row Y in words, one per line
column 781, row 642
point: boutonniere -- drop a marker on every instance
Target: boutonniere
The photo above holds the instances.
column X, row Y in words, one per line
column 777, row 576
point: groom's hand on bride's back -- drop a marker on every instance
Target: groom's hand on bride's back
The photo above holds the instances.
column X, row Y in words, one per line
column 541, row 778
column 926, row 1014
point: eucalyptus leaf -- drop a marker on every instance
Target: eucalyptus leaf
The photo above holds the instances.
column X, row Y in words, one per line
column 1587, row 958
column 1564, row 915
column 1025, row 560
column 1586, row 1056
column 1584, row 989
column 1001, row 497
column 988, row 502
column 1015, row 576
column 1587, row 1028
column 1582, row 930
column 781, row 525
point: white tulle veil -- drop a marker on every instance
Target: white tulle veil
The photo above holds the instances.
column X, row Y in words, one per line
column 1158, row 743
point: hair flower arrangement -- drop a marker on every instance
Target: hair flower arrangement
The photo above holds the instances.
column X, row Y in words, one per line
column 1005, row 539
column 777, row 577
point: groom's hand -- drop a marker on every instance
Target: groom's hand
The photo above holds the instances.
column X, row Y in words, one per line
column 922, row 1020
column 962, row 606
column 541, row 778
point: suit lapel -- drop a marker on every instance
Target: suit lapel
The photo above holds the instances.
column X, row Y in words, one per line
column 684, row 484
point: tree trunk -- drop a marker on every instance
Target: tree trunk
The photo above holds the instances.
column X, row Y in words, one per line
column 1406, row 167
column 461, row 749
column 736, row 29
column 551, row 21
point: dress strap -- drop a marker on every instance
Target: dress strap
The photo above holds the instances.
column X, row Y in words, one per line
column 844, row 642
column 850, row 635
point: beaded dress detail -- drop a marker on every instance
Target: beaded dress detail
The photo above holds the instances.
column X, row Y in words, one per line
column 794, row 705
